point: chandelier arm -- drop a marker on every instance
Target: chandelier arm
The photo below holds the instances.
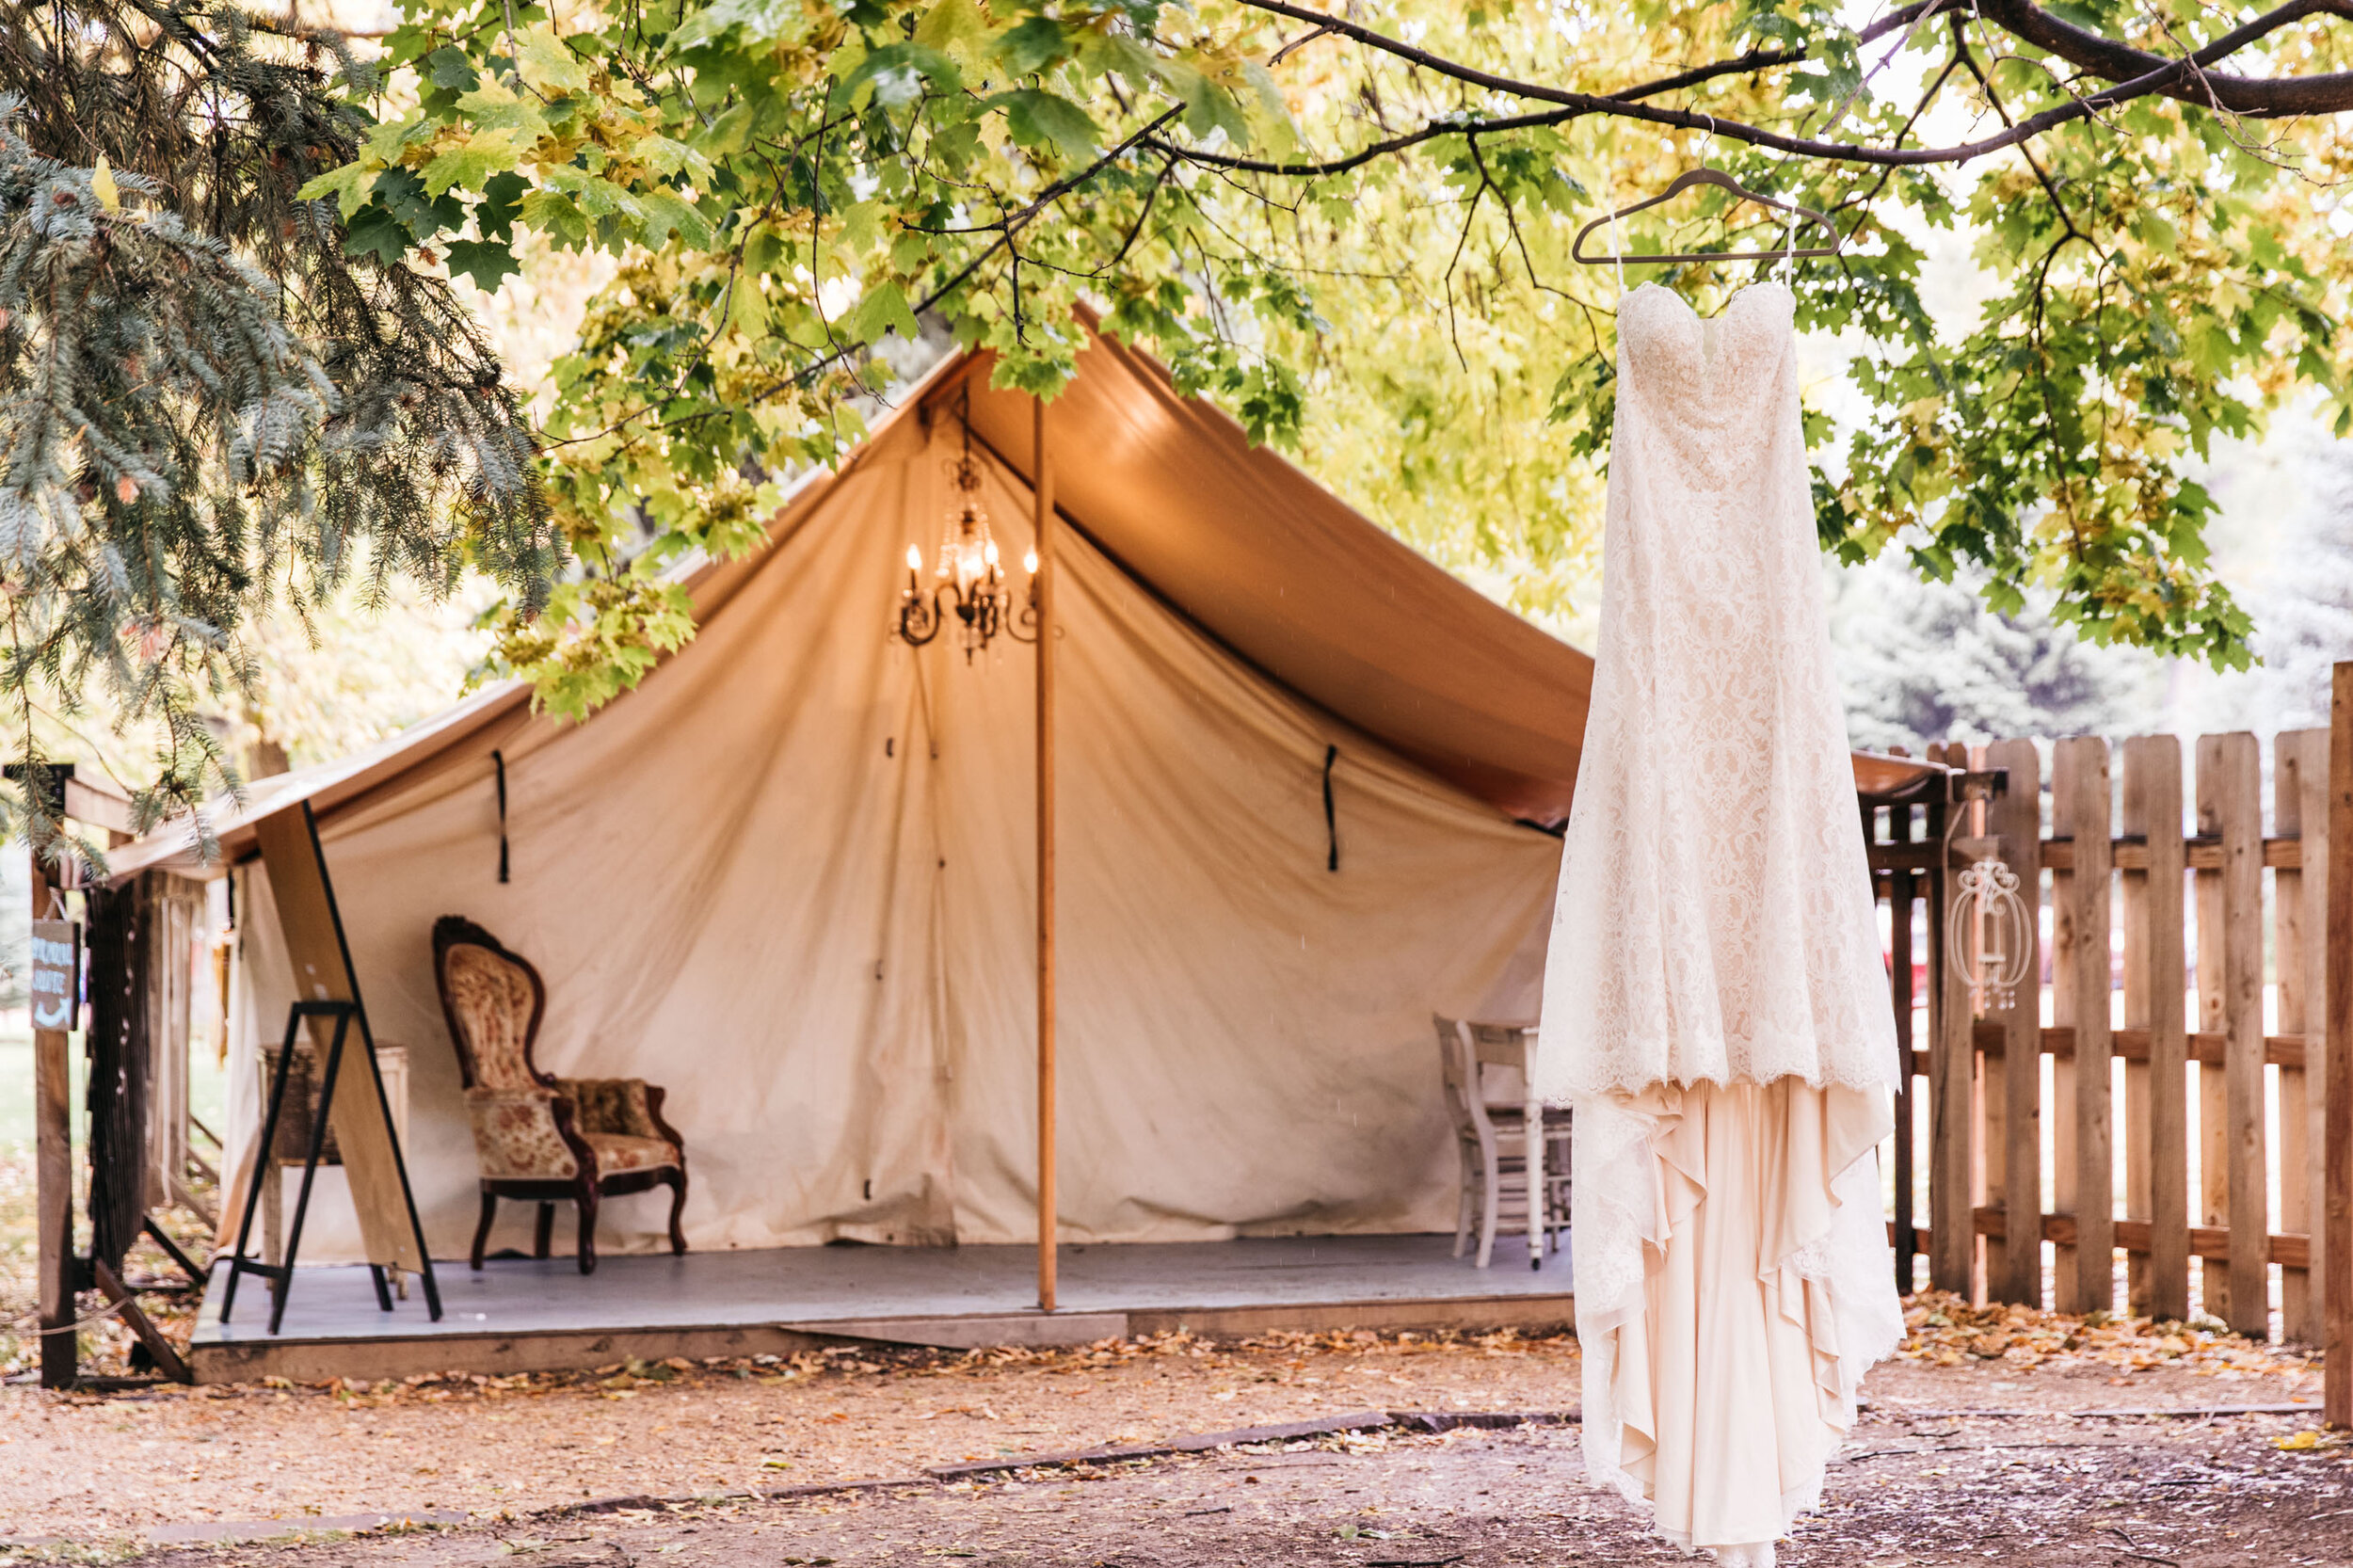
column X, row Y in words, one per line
column 918, row 620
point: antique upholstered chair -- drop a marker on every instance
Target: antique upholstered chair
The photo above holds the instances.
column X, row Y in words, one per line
column 538, row 1137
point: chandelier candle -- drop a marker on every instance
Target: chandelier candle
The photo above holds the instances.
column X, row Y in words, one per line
column 968, row 582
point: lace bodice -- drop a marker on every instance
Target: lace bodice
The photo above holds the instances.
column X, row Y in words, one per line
column 1714, row 916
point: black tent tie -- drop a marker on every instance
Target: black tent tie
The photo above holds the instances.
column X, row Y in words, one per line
column 1331, row 819
column 498, row 760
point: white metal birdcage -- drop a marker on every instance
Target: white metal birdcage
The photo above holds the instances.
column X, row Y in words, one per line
column 1989, row 934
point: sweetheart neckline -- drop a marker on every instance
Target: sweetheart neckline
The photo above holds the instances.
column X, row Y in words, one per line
column 1728, row 306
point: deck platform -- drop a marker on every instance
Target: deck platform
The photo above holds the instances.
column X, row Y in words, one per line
column 520, row 1315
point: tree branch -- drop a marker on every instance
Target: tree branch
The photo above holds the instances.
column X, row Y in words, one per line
column 2133, row 73
column 2113, row 61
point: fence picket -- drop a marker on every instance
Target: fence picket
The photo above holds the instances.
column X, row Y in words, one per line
column 2294, row 914
column 2230, row 804
column 2312, row 805
column 2156, row 1091
column 2014, row 1263
column 2082, row 808
column 1952, row 1106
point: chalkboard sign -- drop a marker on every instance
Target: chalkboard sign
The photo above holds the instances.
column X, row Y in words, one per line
column 55, row 985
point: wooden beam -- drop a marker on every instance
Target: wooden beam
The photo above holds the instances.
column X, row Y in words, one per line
column 2133, row 1044
column 2206, row 853
column 1042, row 519
column 99, row 806
column 165, row 1357
column 2289, row 1249
column 2337, row 1218
column 2127, row 852
column 53, row 1178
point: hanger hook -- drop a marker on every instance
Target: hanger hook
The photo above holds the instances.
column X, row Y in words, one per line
column 1710, row 142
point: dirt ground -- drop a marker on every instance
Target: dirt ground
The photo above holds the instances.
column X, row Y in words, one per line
column 505, row 1466
column 1951, row 1493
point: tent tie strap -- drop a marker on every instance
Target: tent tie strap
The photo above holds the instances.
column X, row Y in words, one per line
column 1331, row 819
column 498, row 761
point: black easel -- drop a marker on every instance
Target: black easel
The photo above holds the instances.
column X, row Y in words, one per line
column 281, row 1275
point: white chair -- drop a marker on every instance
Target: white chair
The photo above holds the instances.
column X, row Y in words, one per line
column 1506, row 1175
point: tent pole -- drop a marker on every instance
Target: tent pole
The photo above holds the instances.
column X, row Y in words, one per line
column 1042, row 495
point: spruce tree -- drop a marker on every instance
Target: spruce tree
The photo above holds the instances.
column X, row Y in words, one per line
column 213, row 404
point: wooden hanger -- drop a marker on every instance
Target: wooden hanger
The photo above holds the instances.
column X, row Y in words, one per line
column 1718, row 178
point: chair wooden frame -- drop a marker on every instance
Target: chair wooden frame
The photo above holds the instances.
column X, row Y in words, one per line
column 586, row 1186
column 1495, row 1152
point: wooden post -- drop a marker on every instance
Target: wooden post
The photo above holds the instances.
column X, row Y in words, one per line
column 1042, row 497
column 2014, row 1271
column 1901, row 894
column 2337, row 1223
column 2156, row 1091
column 2087, row 1274
column 53, row 1168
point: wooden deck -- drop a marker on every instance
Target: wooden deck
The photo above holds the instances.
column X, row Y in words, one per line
column 525, row 1315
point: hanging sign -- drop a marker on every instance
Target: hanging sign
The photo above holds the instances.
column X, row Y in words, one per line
column 55, row 983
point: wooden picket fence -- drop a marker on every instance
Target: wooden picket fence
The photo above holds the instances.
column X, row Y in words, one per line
column 2152, row 886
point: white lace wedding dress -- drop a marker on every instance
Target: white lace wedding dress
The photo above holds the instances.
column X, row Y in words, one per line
column 1716, row 1005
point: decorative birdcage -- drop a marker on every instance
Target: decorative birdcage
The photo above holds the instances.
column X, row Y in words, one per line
column 1989, row 934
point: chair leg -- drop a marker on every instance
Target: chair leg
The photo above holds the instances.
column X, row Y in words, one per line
column 677, row 1207
column 588, row 1230
column 1491, row 1205
column 543, row 1237
column 1464, row 1204
column 482, row 1230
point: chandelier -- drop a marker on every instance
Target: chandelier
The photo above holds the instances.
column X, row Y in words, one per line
column 968, row 584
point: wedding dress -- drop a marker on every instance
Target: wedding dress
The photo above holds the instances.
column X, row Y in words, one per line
column 1716, row 1005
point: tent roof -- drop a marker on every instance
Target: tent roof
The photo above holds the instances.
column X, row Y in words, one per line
column 1234, row 538
column 1292, row 579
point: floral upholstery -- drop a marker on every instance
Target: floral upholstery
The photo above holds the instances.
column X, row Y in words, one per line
column 516, row 1137
column 612, row 1105
column 617, row 1151
column 538, row 1138
column 491, row 1001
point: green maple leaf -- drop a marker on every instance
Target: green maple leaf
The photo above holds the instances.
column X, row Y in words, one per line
column 375, row 232
column 348, row 184
column 502, row 202
column 470, row 164
column 1038, row 118
column 486, row 262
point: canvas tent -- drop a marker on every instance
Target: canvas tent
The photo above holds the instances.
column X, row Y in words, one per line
column 791, row 877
